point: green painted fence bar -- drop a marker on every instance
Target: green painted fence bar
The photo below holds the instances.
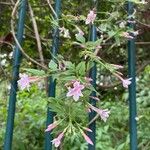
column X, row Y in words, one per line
column 92, row 126
column 15, row 75
column 52, row 85
column 132, row 87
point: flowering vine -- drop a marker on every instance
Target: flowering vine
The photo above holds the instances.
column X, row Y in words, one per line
column 73, row 77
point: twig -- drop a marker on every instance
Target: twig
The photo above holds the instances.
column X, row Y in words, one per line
column 39, row 45
column 4, row 42
column 42, row 39
column 146, row 25
column 17, row 42
column 144, row 64
column 33, row 37
column 93, row 119
column 137, row 43
column 5, row 3
column 119, row 82
column 52, row 8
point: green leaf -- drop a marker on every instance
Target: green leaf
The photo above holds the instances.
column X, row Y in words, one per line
column 90, row 65
column 81, row 68
column 69, row 78
column 36, row 72
column 52, row 65
column 80, row 38
column 69, row 65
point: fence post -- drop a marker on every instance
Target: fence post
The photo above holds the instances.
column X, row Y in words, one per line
column 52, row 85
column 15, row 75
column 132, row 87
column 92, row 126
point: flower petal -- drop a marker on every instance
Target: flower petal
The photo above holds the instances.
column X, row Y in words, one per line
column 88, row 140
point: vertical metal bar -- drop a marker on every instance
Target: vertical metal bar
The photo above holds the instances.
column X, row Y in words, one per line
column 15, row 74
column 92, row 126
column 132, row 87
column 52, row 85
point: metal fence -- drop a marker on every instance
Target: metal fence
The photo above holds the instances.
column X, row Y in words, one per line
column 52, row 86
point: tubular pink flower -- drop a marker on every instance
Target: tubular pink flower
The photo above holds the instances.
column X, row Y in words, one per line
column 75, row 91
column 88, row 79
column 90, row 17
column 127, row 35
column 57, row 141
column 104, row 113
column 126, row 82
column 117, row 66
column 51, row 126
column 87, row 129
column 24, row 81
column 95, row 98
column 88, row 140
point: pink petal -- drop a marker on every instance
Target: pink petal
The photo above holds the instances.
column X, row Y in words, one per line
column 51, row 126
column 87, row 129
column 56, row 142
column 76, row 84
column 117, row 66
column 90, row 17
column 69, row 93
column 60, row 136
column 95, row 98
column 126, row 82
column 76, row 97
column 88, row 140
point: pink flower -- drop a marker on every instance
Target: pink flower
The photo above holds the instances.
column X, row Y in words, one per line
column 76, row 90
column 24, row 81
column 51, row 126
column 104, row 113
column 90, row 17
column 126, row 82
column 127, row 35
column 87, row 138
column 88, row 79
column 87, row 129
column 80, row 32
column 117, row 66
column 57, row 141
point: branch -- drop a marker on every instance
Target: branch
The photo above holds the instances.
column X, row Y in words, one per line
column 4, row 42
column 42, row 39
column 51, row 7
column 39, row 45
column 146, row 25
column 17, row 42
column 119, row 82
